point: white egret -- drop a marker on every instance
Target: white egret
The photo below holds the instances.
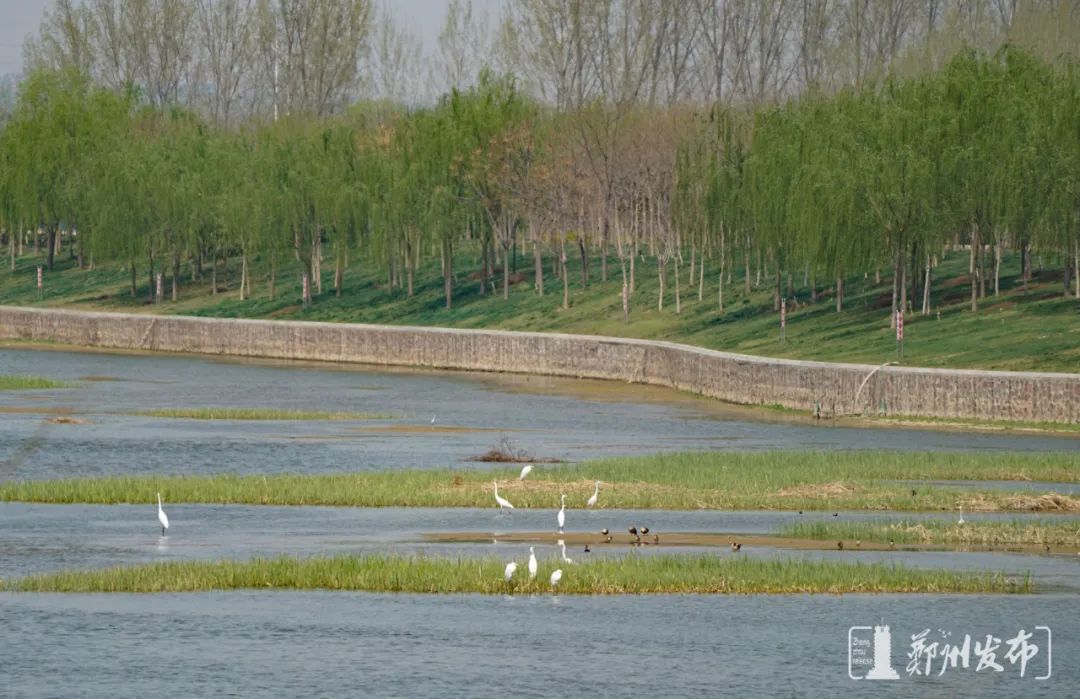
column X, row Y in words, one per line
column 532, row 563
column 596, row 494
column 561, row 517
column 503, row 502
column 432, row 419
column 524, row 472
column 161, row 516
column 509, row 572
column 556, row 577
column 961, row 520
column 562, row 545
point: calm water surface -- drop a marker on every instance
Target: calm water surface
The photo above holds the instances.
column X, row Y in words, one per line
column 349, row 644
column 355, row 644
column 557, row 418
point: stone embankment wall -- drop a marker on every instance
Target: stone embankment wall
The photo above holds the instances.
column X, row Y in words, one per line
column 837, row 388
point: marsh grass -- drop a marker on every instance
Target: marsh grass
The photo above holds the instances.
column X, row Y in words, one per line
column 258, row 414
column 781, row 480
column 709, row 574
column 1016, row 532
column 28, row 382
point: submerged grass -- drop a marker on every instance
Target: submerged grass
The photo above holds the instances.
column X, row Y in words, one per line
column 1015, row 533
column 710, row 574
column 26, row 382
column 258, row 414
column 780, row 480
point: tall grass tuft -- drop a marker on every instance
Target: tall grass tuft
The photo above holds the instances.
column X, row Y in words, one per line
column 21, row 382
column 780, row 480
column 706, row 574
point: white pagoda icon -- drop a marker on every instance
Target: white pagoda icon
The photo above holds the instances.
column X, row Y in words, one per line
column 882, row 669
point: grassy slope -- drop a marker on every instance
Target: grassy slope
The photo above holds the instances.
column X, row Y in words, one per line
column 629, row 575
column 1037, row 331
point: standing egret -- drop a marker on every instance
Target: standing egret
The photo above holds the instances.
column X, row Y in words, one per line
column 562, row 545
column 509, row 572
column 161, row 516
column 532, row 563
column 503, row 502
column 960, row 521
column 524, row 472
column 593, row 498
column 432, row 419
column 556, row 577
column 561, row 517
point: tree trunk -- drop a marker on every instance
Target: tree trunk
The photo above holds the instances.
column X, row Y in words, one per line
column 305, row 283
column 565, row 276
column 213, row 276
column 604, row 230
column 839, row 293
column 746, row 272
column 633, row 260
column 690, row 277
column 895, row 291
column 175, row 276
column 660, row 265
column 538, row 264
column 134, row 288
column 1025, row 264
column 813, row 288
column 243, row 276
column 903, row 283
column 777, row 293
column 974, row 270
column 316, row 261
column 150, row 277
column 408, row 269
column 11, row 249
column 339, row 272
column 625, row 291
column 506, row 273
column 50, row 241
column 701, row 279
column 982, row 269
column 448, row 272
column 483, row 267
column 997, row 267
column 678, row 299
column 584, row 262
column 926, row 289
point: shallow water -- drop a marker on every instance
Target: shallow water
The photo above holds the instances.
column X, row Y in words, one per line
column 352, row 644
column 545, row 417
column 356, row 644
column 39, row 538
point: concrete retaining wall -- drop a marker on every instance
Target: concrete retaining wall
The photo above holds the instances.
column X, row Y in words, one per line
column 839, row 388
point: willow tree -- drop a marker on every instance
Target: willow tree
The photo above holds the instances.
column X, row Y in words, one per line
column 60, row 125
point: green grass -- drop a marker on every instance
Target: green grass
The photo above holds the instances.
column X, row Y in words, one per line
column 781, row 480
column 258, row 414
column 1017, row 532
column 1038, row 330
column 23, row 382
column 709, row 574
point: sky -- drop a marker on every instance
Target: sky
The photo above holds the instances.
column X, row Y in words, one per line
column 20, row 18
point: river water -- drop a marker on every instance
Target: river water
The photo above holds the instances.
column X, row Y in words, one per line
column 545, row 417
column 251, row 643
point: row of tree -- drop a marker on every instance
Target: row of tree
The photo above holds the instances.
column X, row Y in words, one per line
column 235, row 59
column 984, row 154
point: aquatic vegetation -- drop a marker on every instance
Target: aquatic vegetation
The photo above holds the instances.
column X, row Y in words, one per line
column 259, row 414
column 1016, row 532
column 708, row 574
column 21, row 382
column 779, row 480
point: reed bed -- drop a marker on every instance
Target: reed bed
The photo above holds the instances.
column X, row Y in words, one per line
column 707, row 574
column 1014, row 533
column 780, row 480
column 22, row 382
column 258, row 414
